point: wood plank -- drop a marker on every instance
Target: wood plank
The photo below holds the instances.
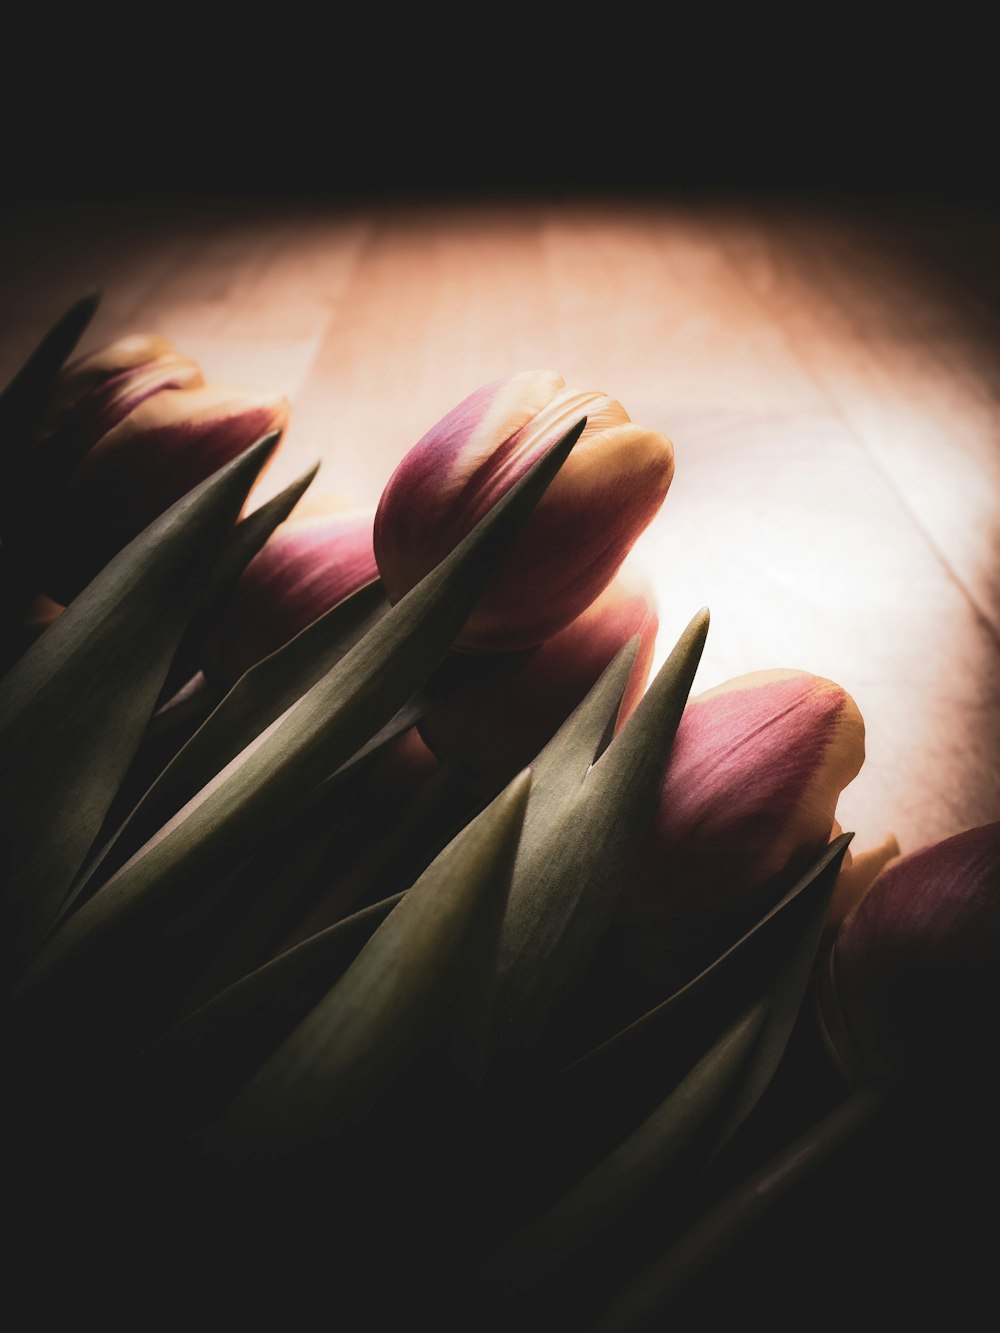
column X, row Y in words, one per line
column 907, row 353
column 440, row 302
column 779, row 519
column 833, row 410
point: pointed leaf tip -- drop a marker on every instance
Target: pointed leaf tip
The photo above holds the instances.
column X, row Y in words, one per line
column 337, row 715
column 425, row 977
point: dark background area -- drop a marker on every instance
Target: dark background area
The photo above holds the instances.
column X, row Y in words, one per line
column 373, row 105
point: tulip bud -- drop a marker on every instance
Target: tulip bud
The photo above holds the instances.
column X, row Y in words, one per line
column 497, row 728
column 747, row 801
column 912, row 980
column 163, row 441
column 603, row 497
column 308, row 566
column 81, row 376
column 108, row 369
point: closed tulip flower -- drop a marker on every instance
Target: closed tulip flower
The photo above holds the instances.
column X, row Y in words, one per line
column 605, row 494
column 748, row 799
column 912, row 979
column 310, row 564
column 498, row 728
column 96, row 390
column 148, row 443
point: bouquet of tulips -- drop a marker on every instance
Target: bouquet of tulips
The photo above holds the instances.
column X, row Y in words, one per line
column 373, row 925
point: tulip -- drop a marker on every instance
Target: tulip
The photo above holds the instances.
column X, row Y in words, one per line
column 310, row 564
column 912, row 979
column 605, row 494
column 497, row 728
column 747, row 801
column 96, row 390
column 92, row 369
column 161, row 441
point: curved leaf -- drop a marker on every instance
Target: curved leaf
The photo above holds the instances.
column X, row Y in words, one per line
column 245, row 541
column 640, row 1166
column 24, row 401
column 583, row 829
column 73, row 709
column 784, row 996
column 29, row 473
column 643, row 1051
column 258, row 699
column 332, row 721
column 186, row 1077
column 425, row 976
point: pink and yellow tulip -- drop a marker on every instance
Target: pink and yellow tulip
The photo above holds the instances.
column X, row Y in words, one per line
column 748, row 800
column 97, row 390
column 912, row 979
column 144, row 438
column 606, row 493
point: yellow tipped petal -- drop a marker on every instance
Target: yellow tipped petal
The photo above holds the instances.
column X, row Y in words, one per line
column 751, row 788
column 857, row 874
column 167, row 443
column 606, row 493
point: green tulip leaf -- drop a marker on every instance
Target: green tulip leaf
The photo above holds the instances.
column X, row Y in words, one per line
column 693, row 1122
column 426, row 975
column 273, row 887
column 181, row 716
column 73, row 709
column 640, row 1056
column 246, row 540
column 261, row 696
column 29, row 476
column 25, row 400
column 784, row 995
column 251, row 533
column 342, row 711
column 187, row 1076
column 591, row 805
column 300, row 858
column 643, row 1164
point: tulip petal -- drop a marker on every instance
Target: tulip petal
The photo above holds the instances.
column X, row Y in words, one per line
column 108, row 403
column 308, row 567
column 912, row 978
column 84, row 373
column 330, row 723
column 857, row 876
column 166, row 445
column 581, row 533
column 751, row 790
column 606, row 500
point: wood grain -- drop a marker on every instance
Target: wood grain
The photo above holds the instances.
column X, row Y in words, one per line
column 830, row 378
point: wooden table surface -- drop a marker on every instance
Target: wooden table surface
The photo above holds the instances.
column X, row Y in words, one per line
column 829, row 374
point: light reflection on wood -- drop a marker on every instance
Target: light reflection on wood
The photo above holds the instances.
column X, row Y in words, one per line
column 830, row 382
